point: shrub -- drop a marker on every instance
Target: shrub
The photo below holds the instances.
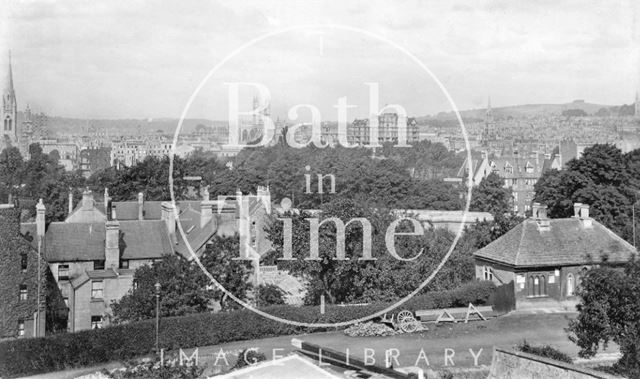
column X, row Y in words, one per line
column 249, row 356
column 270, row 294
column 127, row 341
column 545, row 351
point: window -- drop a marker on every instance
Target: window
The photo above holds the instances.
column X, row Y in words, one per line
column 23, row 292
column 487, row 273
column 20, row 328
column 98, row 265
column 96, row 289
column 23, row 262
column 570, row 285
column 96, row 322
column 124, row 264
column 63, row 272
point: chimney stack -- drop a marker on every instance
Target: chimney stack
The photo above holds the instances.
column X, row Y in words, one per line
column 70, row 201
column 87, row 199
column 587, row 222
column 106, row 202
column 140, row 206
column 112, row 245
column 206, row 211
column 576, row 209
column 40, row 218
column 169, row 217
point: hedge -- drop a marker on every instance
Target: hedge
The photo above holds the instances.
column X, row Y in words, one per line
column 126, row 341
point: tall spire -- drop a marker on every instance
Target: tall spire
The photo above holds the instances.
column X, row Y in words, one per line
column 9, row 76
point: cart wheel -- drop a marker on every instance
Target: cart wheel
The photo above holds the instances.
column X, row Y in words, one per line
column 404, row 315
column 409, row 325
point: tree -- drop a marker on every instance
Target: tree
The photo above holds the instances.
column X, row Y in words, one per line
column 270, row 294
column 491, row 196
column 609, row 310
column 604, row 178
column 185, row 289
column 11, row 169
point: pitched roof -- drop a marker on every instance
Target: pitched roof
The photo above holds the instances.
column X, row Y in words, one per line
column 151, row 210
column 566, row 242
column 148, row 239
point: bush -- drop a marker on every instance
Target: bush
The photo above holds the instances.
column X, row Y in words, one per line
column 127, row 341
column 270, row 294
column 249, row 357
column 545, row 351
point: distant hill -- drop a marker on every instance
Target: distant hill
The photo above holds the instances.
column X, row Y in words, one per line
column 63, row 125
column 531, row 110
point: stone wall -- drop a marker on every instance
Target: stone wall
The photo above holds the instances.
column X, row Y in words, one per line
column 511, row 364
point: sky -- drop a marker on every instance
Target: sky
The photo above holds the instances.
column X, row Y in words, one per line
column 144, row 59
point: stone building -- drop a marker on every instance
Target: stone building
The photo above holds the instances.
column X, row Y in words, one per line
column 93, row 254
column 546, row 258
column 22, row 278
column 359, row 132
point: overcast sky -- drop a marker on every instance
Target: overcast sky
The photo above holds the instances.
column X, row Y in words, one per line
column 137, row 59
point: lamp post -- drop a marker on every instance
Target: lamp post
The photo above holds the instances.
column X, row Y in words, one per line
column 157, row 286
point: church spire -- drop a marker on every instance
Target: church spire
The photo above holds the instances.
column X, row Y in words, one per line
column 9, row 89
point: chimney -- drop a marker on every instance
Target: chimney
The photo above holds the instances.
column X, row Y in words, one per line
column 169, row 216
column 106, row 201
column 140, row 206
column 87, row 199
column 40, row 218
column 112, row 245
column 206, row 211
column 539, row 213
column 576, row 209
column 70, row 201
column 205, row 193
column 587, row 222
column 264, row 195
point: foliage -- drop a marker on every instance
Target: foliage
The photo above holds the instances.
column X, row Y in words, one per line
column 270, row 294
column 169, row 368
column 609, row 310
column 491, row 196
column 382, row 278
column 604, row 178
column 249, row 356
column 185, row 289
column 545, row 351
column 40, row 177
column 129, row 340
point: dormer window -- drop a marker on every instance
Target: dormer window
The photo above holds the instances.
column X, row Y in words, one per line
column 508, row 168
column 528, row 168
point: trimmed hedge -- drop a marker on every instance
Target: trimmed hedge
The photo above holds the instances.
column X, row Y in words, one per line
column 122, row 342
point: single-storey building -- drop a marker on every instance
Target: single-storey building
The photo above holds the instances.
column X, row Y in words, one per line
column 547, row 258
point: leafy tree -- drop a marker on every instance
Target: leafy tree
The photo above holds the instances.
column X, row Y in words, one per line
column 185, row 289
column 270, row 294
column 491, row 196
column 604, row 178
column 609, row 311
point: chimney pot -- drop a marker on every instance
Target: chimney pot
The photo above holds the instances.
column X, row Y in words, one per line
column 576, row 209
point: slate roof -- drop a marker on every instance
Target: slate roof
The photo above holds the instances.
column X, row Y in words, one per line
column 151, row 210
column 197, row 236
column 147, row 239
column 566, row 242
